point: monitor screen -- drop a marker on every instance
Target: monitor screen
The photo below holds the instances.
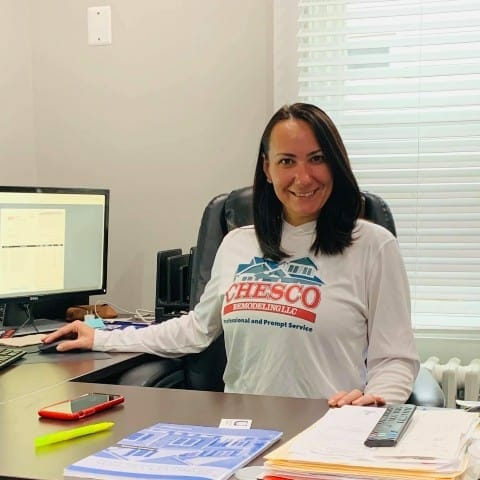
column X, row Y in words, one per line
column 53, row 242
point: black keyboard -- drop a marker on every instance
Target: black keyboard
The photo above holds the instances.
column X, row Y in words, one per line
column 9, row 355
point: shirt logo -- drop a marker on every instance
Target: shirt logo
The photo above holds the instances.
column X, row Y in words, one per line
column 294, row 286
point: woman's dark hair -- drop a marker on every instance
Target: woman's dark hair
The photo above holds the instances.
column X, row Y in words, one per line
column 337, row 217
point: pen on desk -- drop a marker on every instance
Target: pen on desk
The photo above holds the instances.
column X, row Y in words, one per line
column 72, row 433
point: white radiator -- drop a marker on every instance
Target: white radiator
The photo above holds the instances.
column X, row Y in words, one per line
column 457, row 381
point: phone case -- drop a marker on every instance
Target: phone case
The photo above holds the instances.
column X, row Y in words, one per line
column 50, row 412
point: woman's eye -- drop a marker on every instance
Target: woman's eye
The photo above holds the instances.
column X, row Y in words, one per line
column 285, row 161
column 318, row 159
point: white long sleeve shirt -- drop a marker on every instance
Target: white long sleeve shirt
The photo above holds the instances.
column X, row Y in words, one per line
column 308, row 326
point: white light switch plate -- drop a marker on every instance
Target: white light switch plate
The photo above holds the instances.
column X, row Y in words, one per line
column 99, row 25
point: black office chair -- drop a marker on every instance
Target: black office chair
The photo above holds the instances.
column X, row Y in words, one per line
column 204, row 371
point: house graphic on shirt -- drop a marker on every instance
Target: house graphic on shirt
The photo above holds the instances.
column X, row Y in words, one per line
column 301, row 270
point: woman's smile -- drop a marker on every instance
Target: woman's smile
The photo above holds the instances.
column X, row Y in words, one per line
column 297, row 169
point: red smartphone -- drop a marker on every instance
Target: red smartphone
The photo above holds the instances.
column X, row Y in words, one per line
column 81, row 406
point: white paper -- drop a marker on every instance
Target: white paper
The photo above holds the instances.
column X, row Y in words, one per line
column 435, row 439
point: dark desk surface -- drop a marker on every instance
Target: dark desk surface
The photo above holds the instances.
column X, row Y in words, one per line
column 142, row 407
column 26, row 388
column 22, row 379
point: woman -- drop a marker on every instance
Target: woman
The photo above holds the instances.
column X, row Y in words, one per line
column 313, row 302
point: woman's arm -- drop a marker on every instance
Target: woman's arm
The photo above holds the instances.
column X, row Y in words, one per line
column 189, row 333
column 392, row 359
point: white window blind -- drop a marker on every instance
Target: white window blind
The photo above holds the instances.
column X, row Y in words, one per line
column 401, row 79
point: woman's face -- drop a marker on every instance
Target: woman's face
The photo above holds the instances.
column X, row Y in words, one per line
column 297, row 169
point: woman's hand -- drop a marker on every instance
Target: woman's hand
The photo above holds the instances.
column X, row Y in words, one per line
column 355, row 397
column 77, row 335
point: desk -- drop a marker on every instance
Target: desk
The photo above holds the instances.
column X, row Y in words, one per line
column 143, row 406
column 23, row 379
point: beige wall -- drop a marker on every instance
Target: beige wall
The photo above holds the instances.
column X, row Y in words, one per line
column 17, row 146
column 167, row 116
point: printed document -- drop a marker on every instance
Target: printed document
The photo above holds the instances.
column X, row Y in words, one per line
column 435, row 441
column 176, row 452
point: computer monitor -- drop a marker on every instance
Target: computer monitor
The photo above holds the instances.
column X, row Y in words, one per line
column 53, row 249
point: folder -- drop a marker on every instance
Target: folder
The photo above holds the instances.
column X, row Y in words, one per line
column 434, row 447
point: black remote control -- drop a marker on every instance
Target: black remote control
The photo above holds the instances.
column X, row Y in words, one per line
column 391, row 426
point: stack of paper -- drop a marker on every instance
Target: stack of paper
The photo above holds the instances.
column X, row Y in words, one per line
column 433, row 447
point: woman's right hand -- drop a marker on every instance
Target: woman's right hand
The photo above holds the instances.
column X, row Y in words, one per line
column 77, row 335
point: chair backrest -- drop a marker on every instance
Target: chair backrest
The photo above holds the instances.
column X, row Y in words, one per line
column 223, row 213
column 204, row 371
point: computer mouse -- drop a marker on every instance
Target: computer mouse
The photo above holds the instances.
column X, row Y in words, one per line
column 52, row 347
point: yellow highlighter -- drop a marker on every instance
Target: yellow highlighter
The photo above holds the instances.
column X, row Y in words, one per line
column 72, row 433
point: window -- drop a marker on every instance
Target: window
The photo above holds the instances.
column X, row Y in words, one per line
column 401, row 79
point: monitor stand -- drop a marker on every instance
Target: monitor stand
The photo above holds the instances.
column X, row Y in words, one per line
column 39, row 325
column 40, row 316
column 13, row 314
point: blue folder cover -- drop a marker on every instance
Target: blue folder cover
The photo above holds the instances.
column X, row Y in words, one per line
column 176, row 452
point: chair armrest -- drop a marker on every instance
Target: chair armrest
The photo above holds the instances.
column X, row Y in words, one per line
column 162, row 373
column 426, row 390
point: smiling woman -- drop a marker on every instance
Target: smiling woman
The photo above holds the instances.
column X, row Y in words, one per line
column 302, row 156
column 296, row 168
column 312, row 301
